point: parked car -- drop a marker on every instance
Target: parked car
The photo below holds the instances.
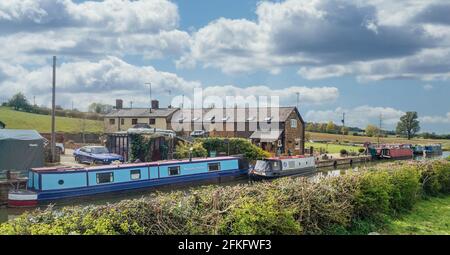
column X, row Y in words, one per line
column 199, row 133
column 95, row 155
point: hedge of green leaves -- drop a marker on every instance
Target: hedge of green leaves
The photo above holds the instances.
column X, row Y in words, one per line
column 234, row 146
column 357, row 202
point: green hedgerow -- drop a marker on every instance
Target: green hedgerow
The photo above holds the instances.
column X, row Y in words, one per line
column 405, row 189
column 255, row 217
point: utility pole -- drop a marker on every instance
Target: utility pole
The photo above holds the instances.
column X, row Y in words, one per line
column 34, row 100
column 298, row 99
column 343, row 125
column 53, row 138
column 150, row 93
column 131, row 104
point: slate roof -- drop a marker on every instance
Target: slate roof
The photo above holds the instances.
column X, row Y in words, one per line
column 141, row 112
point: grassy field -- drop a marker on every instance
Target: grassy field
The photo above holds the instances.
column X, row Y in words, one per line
column 363, row 139
column 332, row 148
column 42, row 123
column 427, row 217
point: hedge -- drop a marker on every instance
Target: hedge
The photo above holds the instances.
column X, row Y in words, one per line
column 356, row 202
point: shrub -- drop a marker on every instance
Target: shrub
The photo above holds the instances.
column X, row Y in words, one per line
column 373, row 197
column 256, row 217
column 234, row 146
column 435, row 178
column 361, row 150
column 343, row 152
column 183, row 150
column 405, row 189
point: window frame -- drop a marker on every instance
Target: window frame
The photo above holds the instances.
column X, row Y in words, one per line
column 111, row 177
column 171, row 168
column 214, row 163
column 112, row 121
column 131, row 174
column 152, row 121
column 292, row 123
column 134, row 121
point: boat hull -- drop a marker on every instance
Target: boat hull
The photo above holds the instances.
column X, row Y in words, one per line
column 255, row 176
column 22, row 199
column 135, row 185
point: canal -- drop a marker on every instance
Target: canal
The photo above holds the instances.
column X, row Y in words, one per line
column 10, row 213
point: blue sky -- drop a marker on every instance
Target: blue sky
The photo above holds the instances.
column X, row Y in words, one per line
column 364, row 58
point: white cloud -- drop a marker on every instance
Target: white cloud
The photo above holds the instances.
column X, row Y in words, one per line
column 436, row 119
column 427, row 87
column 359, row 116
column 287, row 96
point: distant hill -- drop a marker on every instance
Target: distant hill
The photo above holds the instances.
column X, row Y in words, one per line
column 42, row 123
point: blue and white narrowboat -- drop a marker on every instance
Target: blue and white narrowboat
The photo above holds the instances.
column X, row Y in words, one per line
column 46, row 184
column 282, row 166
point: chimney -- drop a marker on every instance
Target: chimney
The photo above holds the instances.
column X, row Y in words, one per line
column 119, row 103
column 155, row 104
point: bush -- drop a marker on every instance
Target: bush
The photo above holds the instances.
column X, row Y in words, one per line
column 343, row 152
column 373, row 197
column 183, row 150
column 234, row 146
column 361, row 150
column 405, row 189
column 256, row 217
column 352, row 203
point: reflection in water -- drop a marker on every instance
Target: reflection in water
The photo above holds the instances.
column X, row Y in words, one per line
column 10, row 213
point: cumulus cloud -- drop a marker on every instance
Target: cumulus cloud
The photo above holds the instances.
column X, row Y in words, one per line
column 436, row 119
column 287, row 96
column 358, row 116
column 90, row 29
column 371, row 40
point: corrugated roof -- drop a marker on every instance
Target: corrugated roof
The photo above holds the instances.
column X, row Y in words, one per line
column 141, row 112
column 19, row 134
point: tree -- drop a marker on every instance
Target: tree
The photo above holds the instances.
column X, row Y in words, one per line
column 344, row 130
column 100, row 108
column 310, row 127
column 19, row 102
column 372, row 130
column 408, row 125
column 330, row 127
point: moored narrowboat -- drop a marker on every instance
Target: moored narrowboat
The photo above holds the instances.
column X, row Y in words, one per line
column 46, row 184
column 282, row 166
column 432, row 149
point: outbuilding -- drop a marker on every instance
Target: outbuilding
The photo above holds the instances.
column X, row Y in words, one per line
column 20, row 150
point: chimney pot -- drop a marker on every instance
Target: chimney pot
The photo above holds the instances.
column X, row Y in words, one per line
column 119, row 103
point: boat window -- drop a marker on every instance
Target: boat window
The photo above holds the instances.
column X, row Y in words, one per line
column 276, row 165
column 174, row 170
column 213, row 166
column 135, row 174
column 61, row 182
column 105, row 178
column 262, row 166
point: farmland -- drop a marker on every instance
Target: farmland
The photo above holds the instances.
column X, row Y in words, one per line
column 363, row 139
column 42, row 123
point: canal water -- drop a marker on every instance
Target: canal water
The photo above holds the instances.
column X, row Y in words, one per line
column 10, row 213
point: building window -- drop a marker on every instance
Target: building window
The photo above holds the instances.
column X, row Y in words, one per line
column 297, row 144
column 152, row 121
column 122, row 121
column 174, row 170
column 105, row 178
column 135, row 174
column 293, row 123
column 133, row 121
column 112, row 121
column 213, row 167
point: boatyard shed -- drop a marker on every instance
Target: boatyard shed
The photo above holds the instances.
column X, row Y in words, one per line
column 20, row 150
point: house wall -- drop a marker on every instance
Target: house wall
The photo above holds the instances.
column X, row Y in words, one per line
column 294, row 134
column 160, row 123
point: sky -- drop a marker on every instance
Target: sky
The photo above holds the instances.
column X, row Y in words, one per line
column 364, row 58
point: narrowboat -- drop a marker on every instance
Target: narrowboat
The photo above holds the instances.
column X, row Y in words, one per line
column 46, row 184
column 397, row 152
column 418, row 149
column 282, row 166
column 432, row 149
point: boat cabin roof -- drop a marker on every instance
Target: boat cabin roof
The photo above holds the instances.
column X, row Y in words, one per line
column 286, row 157
column 123, row 166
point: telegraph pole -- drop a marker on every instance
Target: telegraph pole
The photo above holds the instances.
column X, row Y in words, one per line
column 53, row 138
column 298, row 99
column 343, row 125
